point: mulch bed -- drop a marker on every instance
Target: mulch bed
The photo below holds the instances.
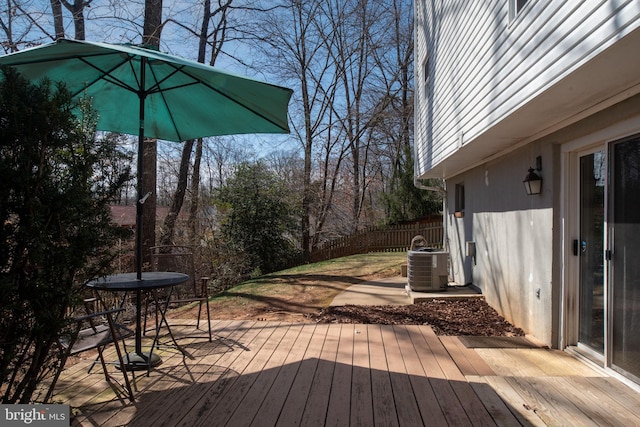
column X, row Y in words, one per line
column 459, row 317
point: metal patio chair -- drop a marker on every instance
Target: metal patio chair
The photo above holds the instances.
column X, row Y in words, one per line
column 180, row 259
column 95, row 331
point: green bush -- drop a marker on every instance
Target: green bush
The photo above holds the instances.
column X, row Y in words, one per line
column 57, row 180
column 259, row 220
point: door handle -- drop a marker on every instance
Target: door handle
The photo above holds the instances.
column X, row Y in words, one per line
column 579, row 247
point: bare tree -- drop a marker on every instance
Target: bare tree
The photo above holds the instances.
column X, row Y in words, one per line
column 76, row 8
column 354, row 32
column 24, row 23
column 297, row 52
column 214, row 40
column 166, row 237
column 194, row 222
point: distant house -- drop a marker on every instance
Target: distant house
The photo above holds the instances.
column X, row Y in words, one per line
column 503, row 86
column 125, row 216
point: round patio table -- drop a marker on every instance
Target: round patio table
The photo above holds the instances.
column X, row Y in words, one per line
column 128, row 282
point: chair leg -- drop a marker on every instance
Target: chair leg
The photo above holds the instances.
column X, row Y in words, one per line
column 123, row 367
column 146, row 313
column 104, row 364
column 63, row 360
column 199, row 312
column 208, row 319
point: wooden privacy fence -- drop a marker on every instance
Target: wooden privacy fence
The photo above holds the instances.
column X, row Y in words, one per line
column 395, row 238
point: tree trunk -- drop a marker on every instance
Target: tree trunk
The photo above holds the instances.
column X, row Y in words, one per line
column 77, row 11
column 58, row 24
column 152, row 23
column 151, row 36
column 195, row 194
column 166, row 238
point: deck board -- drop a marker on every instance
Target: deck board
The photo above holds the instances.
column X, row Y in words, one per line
column 384, row 410
column 338, row 411
column 208, row 393
column 405, row 399
column 181, row 402
column 425, row 396
column 267, row 373
column 444, row 360
column 500, row 412
column 596, row 406
column 232, row 393
column 293, row 407
column 254, row 397
column 361, row 395
column 272, row 406
column 469, row 361
column 547, row 403
column 626, row 397
column 315, row 410
column 526, row 414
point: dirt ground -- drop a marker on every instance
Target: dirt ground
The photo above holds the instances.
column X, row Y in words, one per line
column 305, row 296
column 293, row 294
column 303, row 300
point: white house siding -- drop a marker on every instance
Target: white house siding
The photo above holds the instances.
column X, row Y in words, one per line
column 483, row 68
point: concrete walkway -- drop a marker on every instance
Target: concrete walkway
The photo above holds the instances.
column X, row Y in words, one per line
column 394, row 291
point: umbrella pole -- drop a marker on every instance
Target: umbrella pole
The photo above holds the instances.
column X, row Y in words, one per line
column 141, row 198
column 139, row 210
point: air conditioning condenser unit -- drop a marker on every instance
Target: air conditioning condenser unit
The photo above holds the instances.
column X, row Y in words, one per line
column 427, row 270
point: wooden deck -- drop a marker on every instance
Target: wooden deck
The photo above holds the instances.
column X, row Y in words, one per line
column 272, row 374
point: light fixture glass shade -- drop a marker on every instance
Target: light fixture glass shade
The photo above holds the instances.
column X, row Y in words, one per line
column 532, row 183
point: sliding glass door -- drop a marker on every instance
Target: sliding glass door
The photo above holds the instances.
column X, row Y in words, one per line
column 624, row 237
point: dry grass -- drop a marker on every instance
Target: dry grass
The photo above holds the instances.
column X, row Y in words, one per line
column 292, row 293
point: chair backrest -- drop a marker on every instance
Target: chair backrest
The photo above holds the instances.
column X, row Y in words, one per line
column 93, row 331
column 97, row 330
column 177, row 259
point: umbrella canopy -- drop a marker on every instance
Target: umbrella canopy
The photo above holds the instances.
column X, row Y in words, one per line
column 182, row 99
column 155, row 95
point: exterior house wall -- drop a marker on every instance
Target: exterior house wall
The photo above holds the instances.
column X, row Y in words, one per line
column 522, row 242
column 493, row 93
column 513, row 238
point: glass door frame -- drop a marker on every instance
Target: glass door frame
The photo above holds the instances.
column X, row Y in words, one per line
column 600, row 358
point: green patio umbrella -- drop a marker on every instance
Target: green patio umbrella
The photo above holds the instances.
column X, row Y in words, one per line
column 151, row 94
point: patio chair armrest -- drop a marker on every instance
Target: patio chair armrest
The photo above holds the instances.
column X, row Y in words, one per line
column 97, row 314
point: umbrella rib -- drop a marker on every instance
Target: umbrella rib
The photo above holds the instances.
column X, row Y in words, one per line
column 161, row 92
column 198, row 80
column 106, row 75
column 83, row 59
column 239, row 103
